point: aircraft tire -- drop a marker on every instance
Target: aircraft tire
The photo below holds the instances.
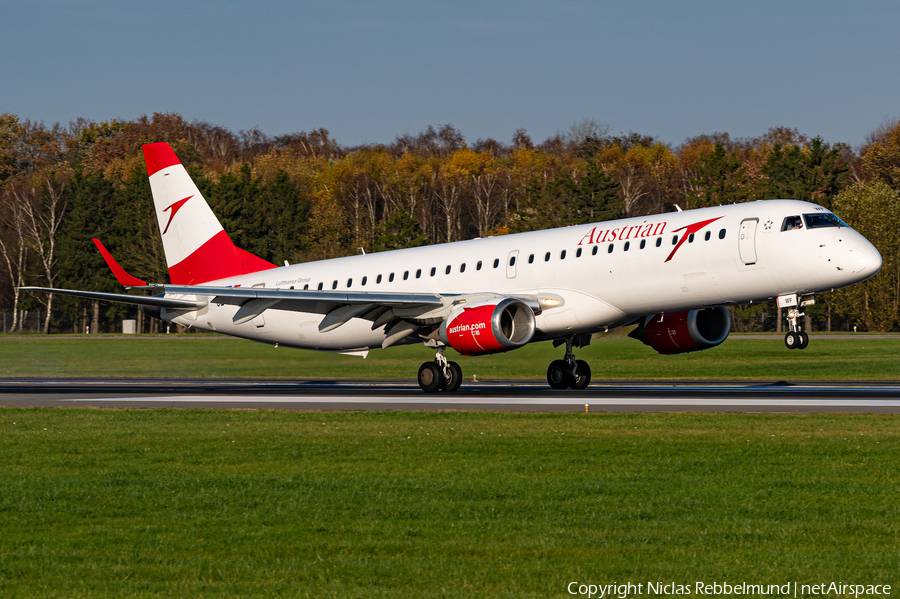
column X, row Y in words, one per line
column 791, row 340
column 582, row 376
column 804, row 340
column 430, row 377
column 452, row 384
column 559, row 375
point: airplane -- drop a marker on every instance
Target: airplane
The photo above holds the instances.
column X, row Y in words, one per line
column 672, row 274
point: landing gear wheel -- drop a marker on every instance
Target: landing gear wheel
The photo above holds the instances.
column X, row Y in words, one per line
column 430, row 377
column 582, row 376
column 559, row 375
column 452, row 383
column 804, row 340
column 792, row 340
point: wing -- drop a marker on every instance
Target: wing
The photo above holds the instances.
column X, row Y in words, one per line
column 402, row 314
column 124, row 298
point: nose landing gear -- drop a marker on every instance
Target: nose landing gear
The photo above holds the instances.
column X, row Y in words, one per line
column 795, row 338
column 569, row 372
column 440, row 375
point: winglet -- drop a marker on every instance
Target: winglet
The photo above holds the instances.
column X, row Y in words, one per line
column 123, row 277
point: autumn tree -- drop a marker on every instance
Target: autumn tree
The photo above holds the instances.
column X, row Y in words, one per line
column 873, row 209
column 881, row 159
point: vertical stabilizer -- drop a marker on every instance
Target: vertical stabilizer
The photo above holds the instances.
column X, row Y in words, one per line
column 197, row 247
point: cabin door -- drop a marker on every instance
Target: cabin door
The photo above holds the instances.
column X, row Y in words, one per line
column 747, row 240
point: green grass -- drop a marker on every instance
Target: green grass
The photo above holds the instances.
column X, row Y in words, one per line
column 612, row 358
column 158, row 503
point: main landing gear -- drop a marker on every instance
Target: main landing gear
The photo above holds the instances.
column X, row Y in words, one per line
column 795, row 338
column 569, row 372
column 440, row 375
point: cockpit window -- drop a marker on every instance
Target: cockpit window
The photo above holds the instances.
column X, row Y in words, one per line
column 820, row 220
column 792, row 222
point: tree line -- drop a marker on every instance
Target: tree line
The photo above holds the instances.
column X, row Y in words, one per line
column 303, row 196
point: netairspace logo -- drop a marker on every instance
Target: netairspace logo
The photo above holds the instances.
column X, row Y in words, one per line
column 720, row 589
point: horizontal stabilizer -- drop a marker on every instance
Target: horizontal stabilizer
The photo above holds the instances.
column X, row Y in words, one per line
column 123, row 298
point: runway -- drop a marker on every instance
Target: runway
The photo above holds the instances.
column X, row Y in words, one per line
column 533, row 396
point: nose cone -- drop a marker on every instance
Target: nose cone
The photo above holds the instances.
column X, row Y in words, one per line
column 865, row 261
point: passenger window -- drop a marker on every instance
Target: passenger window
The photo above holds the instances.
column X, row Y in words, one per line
column 378, row 280
column 658, row 241
column 419, row 273
column 674, row 239
column 594, row 251
column 531, row 259
column 447, row 271
column 391, row 278
column 334, row 285
column 707, row 236
column 722, row 234
column 512, row 260
column 405, row 274
column 364, row 281
column 462, row 267
column 320, row 286
column 562, row 255
column 349, row 283
column 478, row 266
column 305, row 287
column 627, row 245
column 691, row 238
column 609, row 249
column 578, row 253
column 547, row 257
column 643, row 243
column 433, row 271
column 496, row 262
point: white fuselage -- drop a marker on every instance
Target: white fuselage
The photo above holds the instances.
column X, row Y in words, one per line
column 600, row 282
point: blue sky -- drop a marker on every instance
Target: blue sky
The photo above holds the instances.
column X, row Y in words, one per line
column 371, row 70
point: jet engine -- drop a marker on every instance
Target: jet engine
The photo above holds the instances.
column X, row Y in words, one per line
column 487, row 327
column 681, row 332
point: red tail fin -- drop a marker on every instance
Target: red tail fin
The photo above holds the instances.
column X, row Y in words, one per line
column 197, row 248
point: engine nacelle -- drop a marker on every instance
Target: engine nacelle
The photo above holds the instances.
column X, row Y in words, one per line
column 488, row 327
column 681, row 332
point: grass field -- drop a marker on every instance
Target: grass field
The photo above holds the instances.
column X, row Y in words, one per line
column 612, row 358
column 159, row 503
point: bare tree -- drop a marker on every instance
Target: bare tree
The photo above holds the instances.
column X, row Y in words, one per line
column 584, row 130
column 43, row 209
column 13, row 247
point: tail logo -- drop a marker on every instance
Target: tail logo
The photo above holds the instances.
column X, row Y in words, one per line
column 174, row 208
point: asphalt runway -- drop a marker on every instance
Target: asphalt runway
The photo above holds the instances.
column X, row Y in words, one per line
column 530, row 396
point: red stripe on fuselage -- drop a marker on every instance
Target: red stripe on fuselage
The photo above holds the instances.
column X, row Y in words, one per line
column 216, row 259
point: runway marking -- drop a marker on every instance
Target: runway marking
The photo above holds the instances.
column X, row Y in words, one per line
column 469, row 401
